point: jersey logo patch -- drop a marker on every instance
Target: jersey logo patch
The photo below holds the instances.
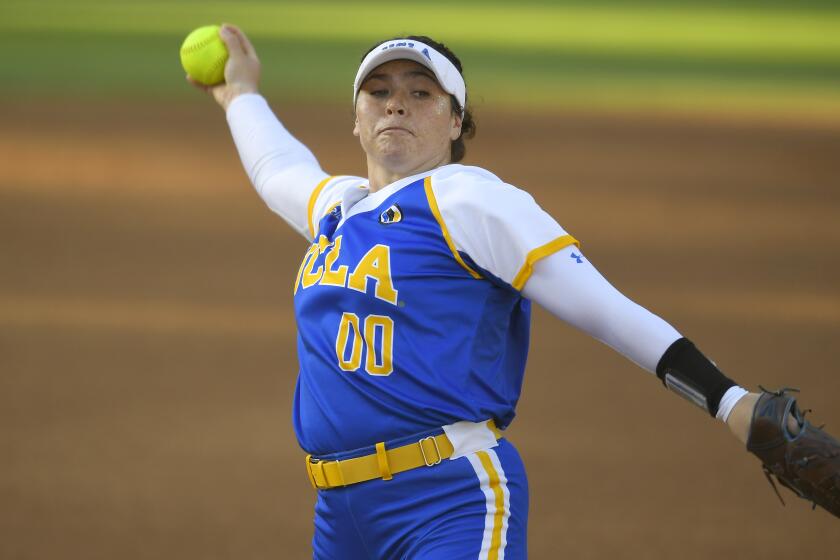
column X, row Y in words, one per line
column 391, row 216
column 578, row 258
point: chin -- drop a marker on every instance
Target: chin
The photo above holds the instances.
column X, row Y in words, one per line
column 396, row 151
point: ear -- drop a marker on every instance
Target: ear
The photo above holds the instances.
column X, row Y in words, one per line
column 356, row 127
column 455, row 126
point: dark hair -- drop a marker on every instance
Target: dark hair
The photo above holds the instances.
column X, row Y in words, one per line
column 457, row 150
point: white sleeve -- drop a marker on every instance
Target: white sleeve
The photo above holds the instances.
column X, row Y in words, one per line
column 567, row 285
column 498, row 226
column 283, row 171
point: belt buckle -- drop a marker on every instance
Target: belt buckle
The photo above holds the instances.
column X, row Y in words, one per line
column 423, row 451
column 310, row 465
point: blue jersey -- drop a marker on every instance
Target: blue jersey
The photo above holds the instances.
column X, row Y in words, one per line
column 399, row 330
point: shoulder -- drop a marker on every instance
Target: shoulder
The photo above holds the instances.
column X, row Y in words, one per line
column 500, row 227
column 465, row 177
column 327, row 194
column 335, row 185
column 467, row 189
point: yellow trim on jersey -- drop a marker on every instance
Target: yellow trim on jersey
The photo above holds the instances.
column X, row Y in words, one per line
column 498, row 514
column 430, row 196
column 540, row 253
column 311, row 206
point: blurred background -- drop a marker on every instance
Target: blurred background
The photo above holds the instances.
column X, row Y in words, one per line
column 147, row 342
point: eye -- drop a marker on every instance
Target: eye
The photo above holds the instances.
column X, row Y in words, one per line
column 421, row 93
column 379, row 92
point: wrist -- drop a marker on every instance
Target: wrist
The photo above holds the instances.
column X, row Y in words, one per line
column 235, row 91
column 740, row 418
column 729, row 400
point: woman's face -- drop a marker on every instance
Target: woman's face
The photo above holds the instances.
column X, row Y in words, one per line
column 404, row 120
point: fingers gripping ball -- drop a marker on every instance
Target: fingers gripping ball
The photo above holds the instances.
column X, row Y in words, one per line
column 204, row 54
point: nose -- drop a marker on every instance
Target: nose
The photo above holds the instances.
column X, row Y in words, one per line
column 395, row 105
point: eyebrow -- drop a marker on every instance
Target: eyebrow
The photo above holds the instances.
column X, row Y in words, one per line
column 421, row 73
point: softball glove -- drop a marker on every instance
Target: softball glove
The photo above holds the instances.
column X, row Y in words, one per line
column 808, row 462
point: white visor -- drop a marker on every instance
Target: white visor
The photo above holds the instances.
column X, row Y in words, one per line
column 404, row 49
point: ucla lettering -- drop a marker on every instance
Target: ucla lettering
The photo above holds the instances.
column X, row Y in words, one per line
column 375, row 265
column 337, row 277
column 373, row 268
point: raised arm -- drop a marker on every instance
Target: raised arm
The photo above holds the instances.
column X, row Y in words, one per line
column 284, row 172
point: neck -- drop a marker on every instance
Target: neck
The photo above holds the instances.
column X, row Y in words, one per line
column 381, row 175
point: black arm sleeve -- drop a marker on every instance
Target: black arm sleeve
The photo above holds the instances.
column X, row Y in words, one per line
column 690, row 374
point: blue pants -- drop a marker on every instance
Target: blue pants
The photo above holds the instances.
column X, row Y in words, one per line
column 473, row 507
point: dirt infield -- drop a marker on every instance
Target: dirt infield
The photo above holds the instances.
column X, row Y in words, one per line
column 147, row 355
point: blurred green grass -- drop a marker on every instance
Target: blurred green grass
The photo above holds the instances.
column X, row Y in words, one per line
column 740, row 54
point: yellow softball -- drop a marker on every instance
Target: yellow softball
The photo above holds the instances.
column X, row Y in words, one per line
column 203, row 55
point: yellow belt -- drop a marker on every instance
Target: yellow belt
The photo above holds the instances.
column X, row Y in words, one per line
column 385, row 463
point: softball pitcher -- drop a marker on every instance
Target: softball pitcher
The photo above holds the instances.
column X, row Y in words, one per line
column 413, row 306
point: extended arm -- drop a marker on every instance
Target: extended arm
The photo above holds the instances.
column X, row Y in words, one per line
column 567, row 285
column 504, row 231
column 801, row 456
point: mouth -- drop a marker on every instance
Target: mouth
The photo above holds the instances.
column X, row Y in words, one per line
column 395, row 129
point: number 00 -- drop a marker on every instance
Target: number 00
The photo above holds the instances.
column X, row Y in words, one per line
column 378, row 341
